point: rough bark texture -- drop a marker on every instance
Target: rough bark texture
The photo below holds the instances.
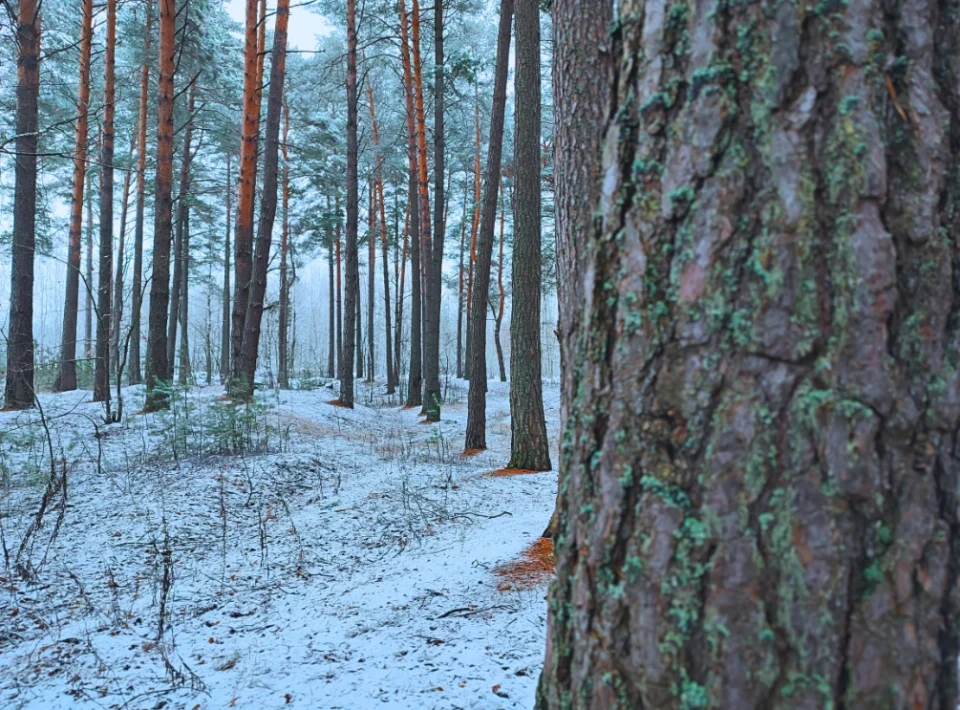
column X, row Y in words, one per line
column 137, row 278
column 529, row 447
column 476, row 437
column 67, row 375
column 250, row 348
column 760, row 490
column 160, row 281
column 243, row 235
column 415, row 381
column 18, row 391
column 225, row 316
column 101, row 379
column 581, row 91
column 351, row 299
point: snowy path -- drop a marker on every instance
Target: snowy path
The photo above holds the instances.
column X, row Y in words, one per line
column 348, row 564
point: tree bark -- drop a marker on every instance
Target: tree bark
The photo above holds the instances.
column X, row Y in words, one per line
column 432, row 393
column 501, row 295
column 268, row 206
column 18, row 390
column 183, row 375
column 334, row 350
column 581, row 66
column 225, row 347
column 760, row 502
column 460, row 294
column 101, row 380
column 137, row 279
column 66, row 379
column 351, row 297
column 476, row 435
column 415, row 379
column 243, row 236
column 283, row 357
column 474, row 226
column 371, row 276
column 401, row 267
column 88, row 280
column 529, row 446
column 339, row 256
column 157, row 368
column 183, row 216
column 115, row 321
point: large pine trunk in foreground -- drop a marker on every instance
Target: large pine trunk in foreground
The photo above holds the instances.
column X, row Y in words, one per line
column 760, row 502
column 18, row 391
column 529, row 448
column 351, row 300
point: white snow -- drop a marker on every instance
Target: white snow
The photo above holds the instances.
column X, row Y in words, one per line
column 344, row 562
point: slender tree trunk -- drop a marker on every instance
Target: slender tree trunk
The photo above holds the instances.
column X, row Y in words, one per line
column 401, row 293
column 101, row 381
column 18, row 392
column 460, row 295
column 434, row 258
column 115, row 322
column 759, row 505
column 529, row 446
column 334, row 351
column 477, row 396
column 157, row 368
column 137, row 280
column 371, row 274
column 268, row 208
column 225, row 348
column 581, row 62
column 378, row 182
column 183, row 376
column 352, row 297
column 243, row 236
column 339, row 257
column 88, row 280
column 501, row 296
column 415, row 382
column 359, row 338
column 67, row 375
column 474, row 228
column 284, row 315
column 183, row 216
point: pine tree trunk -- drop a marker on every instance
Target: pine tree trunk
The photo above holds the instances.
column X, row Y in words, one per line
column 115, row 321
column 136, row 307
column 333, row 353
column 339, row 260
column 581, row 62
column 101, row 380
column 474, row 228
column 460, row 294
column 529, row 447
column 88, row 280
column 351, row 299
column 415, row 379
column 225, row 347
column 157, row 368
column 284, row 314
column 760, row 502
column 183, row 211
column 371, row 277
column 359, row 333
column 401, row 267
column 18, row 391
column 268, row 206
column 183, row 376
column 243, row 235
column 67, row 374
column 476, row 435
column 432, row 393
column 501, row 295
column 378, row 185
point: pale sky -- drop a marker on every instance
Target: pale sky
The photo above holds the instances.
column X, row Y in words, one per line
column 304, row 27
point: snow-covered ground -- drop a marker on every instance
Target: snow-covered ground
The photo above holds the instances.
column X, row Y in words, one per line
column 304, row 555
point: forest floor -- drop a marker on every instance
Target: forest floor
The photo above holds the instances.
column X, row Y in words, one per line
column 289, row 554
